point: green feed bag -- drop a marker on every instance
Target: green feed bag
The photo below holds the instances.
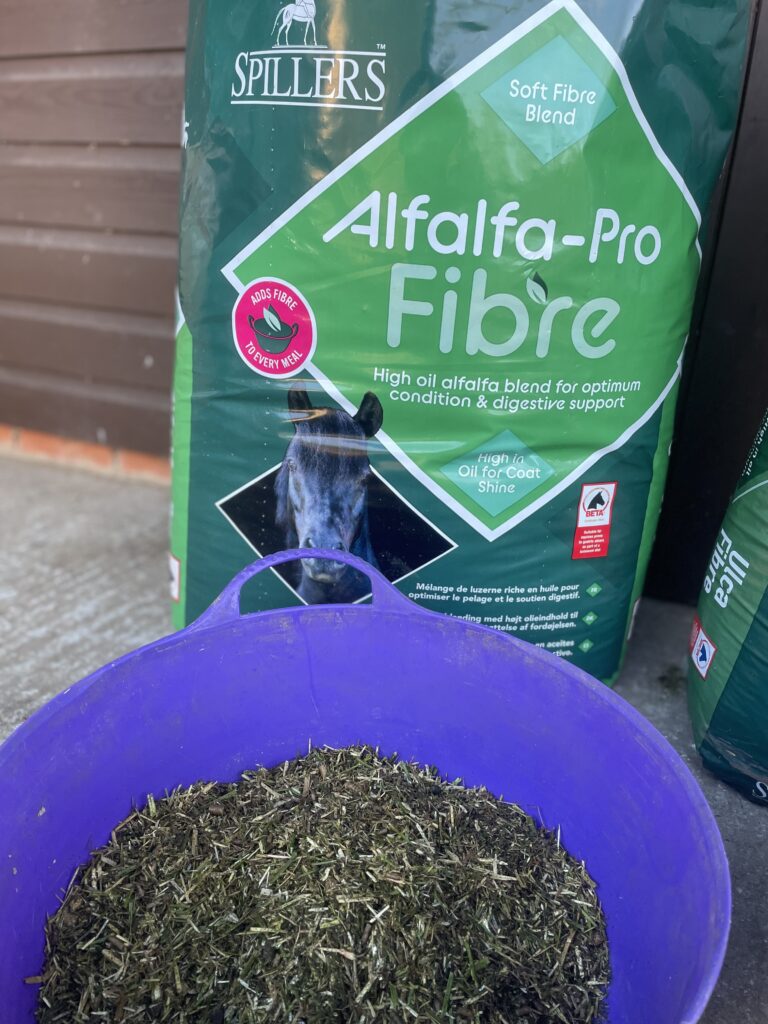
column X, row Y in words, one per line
column 728, row 670
column 437, row 268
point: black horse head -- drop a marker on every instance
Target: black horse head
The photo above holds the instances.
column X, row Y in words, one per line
column 322, row 491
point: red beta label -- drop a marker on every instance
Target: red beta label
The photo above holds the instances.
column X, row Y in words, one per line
column 593, row 522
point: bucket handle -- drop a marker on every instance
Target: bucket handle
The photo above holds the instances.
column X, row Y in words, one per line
column 226, row 607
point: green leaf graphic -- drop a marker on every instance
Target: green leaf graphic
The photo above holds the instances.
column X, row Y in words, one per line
column 536, row 288
column 272, row 319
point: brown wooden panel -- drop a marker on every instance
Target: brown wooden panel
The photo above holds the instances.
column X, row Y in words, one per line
column 121, row 98
column 128, row 189
column 121, row 417
column 132, row 273
column 87, row 344
column 32, row 27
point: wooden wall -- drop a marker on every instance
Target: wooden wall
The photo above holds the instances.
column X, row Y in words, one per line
column 90, row 121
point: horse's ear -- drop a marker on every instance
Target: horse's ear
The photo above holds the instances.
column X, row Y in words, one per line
column 298, row 399
column 370, row 415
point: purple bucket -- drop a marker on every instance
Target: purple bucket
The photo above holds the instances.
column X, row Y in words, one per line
column 231, row 692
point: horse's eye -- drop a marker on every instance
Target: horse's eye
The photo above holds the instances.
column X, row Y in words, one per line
column 291, row 464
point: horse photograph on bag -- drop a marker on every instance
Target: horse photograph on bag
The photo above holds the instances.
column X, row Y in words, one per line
column 322, row 493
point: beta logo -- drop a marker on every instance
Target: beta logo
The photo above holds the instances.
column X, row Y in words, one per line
column 274, row 328
column 596, row 504
column 703, row 650
column 593, row 521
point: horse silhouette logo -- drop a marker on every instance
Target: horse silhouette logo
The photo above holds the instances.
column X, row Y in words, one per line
column 596, row 502
column 302, row 11
column 703, row 650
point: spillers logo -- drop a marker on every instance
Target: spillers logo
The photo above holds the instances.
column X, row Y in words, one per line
column 298, row 71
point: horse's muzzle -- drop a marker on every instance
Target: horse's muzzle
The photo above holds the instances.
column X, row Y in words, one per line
column 323, row 570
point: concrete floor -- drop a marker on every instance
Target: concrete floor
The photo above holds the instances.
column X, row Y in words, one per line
column 83, row 579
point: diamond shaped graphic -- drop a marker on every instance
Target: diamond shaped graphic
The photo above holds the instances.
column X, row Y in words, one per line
column 405, row 541
column 586, row 645
column 589, row 618
column 594, row 589
column 498, row 473
column 551, row 100
column 447, row 384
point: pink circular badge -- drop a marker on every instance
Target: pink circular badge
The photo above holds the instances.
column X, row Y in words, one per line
column 274, row 328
